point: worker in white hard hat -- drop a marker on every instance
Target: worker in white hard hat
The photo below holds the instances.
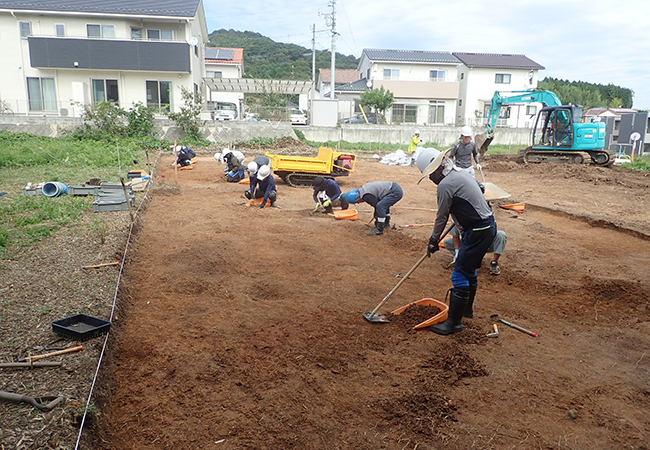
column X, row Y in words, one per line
column 464, row 150
column 461, row 197
column 253, row 166
column 264, row 187
column 415, row 141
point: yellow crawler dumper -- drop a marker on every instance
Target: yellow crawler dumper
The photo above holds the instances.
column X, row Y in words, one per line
column 300, row 171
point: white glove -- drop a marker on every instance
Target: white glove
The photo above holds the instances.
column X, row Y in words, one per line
column 478, row 166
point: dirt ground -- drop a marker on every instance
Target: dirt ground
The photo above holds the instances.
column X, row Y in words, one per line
column 242, row 328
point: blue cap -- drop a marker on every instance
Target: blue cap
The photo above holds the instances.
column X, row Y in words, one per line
column 351, row 196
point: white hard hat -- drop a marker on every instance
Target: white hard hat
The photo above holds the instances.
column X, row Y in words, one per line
column 426, row 157
column 431, row 166
column 417, row 132
column 252, row 167
column 466, row 131
column 264, row 172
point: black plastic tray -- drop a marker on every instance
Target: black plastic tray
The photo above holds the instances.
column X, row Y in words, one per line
column 80, row 327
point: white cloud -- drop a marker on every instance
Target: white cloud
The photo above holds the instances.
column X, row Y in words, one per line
column 599, row 41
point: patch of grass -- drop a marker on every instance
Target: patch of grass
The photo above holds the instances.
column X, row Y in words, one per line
column 25, row 219
column 641, row 163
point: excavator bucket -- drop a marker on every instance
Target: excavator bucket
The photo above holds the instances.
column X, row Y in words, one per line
column 482, row 143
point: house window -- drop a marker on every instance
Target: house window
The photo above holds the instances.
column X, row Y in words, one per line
column 25, row 29
column 436, row 111
column 159, row 94
column 153, row 35
column 502, row 78
column 196, row 50
column 213, row 74
column 60, row 30
column 437, row 75
column 404, row 113
column 462, row 76
column 100, row 31
column 104, row 90
column 167, row 35
column 531, row 110
column 136, row 33
column 41, row 93
column 391, row 74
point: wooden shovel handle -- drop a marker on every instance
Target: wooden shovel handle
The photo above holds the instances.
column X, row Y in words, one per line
column 58, row 352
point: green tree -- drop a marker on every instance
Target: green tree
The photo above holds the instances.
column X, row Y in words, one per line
column 379, row 99
column 190, row 112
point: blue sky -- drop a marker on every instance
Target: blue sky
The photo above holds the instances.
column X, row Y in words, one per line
column 599, row 41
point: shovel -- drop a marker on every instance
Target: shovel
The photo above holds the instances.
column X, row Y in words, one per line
column 372, row 316
column 492, row 191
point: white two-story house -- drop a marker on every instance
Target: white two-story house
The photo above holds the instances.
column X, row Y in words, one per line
column 482, row 74
column 58, row 56
column 424, row 84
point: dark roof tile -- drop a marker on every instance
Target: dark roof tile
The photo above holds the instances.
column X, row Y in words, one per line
column 172, row 8
column 497, row 61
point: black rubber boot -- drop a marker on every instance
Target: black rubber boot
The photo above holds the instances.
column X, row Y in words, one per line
column 249, row 194
column 457, row 303
column 379, row 229
column 469, row 309
column 328, row 209
column 387, row 222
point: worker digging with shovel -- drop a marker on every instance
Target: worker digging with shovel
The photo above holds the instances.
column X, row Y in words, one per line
column 461, row 196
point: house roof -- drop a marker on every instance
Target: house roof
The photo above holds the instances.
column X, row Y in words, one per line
column 171, row 8
column 223, row 55
column 410, row 56
column 341, row 76
column 608, row 111
column 354, row 86
column 497, row 61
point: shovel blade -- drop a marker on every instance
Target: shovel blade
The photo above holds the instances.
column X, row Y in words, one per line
column 375, row 318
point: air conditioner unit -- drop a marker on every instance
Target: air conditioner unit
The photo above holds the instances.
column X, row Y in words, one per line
column 63, row 112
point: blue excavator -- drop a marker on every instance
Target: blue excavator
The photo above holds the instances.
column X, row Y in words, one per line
column 559, row 134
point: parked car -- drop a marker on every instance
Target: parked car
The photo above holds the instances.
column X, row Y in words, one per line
column 298, row 118
column 622, row 158
column 224, row 111
column 372, row 118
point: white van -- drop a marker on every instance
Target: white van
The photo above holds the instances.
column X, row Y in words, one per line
column 225, row 111
column 298, row 118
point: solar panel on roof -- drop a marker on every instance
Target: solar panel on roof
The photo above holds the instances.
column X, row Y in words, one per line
column 225, row 54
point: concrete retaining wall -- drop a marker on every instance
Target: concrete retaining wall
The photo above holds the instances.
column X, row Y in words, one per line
column 228, row 132
column 213, row 131
column 442, row 136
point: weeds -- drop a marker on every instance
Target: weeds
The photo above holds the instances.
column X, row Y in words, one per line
column 100, row 228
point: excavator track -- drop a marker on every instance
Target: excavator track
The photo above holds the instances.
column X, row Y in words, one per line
column 299, row 179
column 597, row 157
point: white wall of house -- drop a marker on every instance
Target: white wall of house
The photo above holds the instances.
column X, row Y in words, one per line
column 73, row 85
column 227, row 71
column 477, row 87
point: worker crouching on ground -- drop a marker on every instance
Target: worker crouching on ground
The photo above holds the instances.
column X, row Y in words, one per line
column 184, row 155
column 235, row 171
column 264, row 187
column 498, row 246
column 253, row 167
column 464, row 150
column 327, row 194
column 381, row 195
column 460, row 196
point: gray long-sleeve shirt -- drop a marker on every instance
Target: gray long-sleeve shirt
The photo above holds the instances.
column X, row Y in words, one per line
column 464, row 154
column 460, row 195
column 379, row 189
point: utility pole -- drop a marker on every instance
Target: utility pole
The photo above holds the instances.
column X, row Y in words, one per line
column 331, row 18
column 313, row 61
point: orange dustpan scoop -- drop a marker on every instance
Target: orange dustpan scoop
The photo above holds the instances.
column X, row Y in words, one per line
column 440, row 317
column 349, row 214
column 245, row 181
column 256, row 202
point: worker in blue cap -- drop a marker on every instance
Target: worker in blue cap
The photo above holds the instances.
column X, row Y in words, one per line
column 381, row 195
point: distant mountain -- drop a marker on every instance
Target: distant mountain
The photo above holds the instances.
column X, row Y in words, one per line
column 265, row 58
